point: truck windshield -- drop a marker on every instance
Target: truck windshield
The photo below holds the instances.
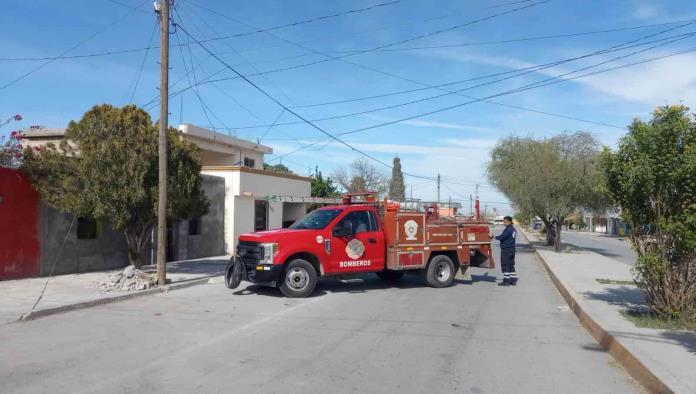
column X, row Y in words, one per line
column 316, row 219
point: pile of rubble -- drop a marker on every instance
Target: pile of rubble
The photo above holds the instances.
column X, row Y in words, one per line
column 129, row 279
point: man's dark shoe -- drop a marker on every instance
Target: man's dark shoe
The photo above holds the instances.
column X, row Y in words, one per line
column 513, row 281
column 505, row 282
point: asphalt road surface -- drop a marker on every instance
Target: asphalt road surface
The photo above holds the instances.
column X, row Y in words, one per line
column 360, row 336
column 613, row 247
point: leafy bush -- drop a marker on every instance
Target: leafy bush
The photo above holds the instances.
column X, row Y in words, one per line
column 652, row 177
column 670, row 289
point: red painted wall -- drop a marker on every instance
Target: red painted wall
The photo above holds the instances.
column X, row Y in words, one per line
column 19, row 218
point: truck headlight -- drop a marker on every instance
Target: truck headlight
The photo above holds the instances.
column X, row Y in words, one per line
column 270, row 249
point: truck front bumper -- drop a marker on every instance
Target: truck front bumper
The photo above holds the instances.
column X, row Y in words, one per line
column 262, row 274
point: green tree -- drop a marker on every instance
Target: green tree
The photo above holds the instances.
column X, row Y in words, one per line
column 397, row 189
column 652, row 176
column 549, row 178
column 323, row 187
column 277, row 168
column 107, row 168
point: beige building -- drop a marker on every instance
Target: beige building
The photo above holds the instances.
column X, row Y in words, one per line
column 255, row 199
column 224, row 150
column 244, row 196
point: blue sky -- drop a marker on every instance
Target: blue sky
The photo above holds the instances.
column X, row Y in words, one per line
column 454, row 142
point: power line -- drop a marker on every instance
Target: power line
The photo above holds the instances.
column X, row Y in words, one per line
column 525, row 39
column 292, row 24
column 510, row 3
column 427, row 86
column 80, row 43
column 193, row 72
column 139, row 73
column 504, row 93
column 269, row 96
column 527, row 70
column 525, row 87
column 269, row 81
column 403, row 41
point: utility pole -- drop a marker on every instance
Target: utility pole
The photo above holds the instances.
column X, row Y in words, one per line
column 163, row 126
column 471, row 205
column 411, row 191
column 438, row 187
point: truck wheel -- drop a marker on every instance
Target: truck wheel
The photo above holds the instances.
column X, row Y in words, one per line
column 390, row 276
column 299, row 279
column 440, row 272
column 233, row 274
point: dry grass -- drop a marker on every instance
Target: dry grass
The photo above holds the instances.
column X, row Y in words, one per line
column 647, row 320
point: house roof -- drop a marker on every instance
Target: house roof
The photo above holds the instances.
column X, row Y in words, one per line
column 222, row 139
column 43, row 132
column 256, row 171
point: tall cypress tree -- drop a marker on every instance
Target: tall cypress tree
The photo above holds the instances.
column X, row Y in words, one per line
column 397, row 189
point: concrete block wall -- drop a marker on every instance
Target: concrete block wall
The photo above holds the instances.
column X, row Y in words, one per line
column 108, row 251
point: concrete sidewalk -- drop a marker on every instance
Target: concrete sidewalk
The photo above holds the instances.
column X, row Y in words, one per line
column 65, row 292
column 662, row 360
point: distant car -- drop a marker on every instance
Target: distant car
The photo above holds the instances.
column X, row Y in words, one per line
column 498, row 220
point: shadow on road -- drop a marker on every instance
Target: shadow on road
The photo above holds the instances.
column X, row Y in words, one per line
column 602, row 251
column 360, row 284
column 477, row 278
column 198, row 267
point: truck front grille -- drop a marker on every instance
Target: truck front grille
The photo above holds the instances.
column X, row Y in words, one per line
column 249, row 252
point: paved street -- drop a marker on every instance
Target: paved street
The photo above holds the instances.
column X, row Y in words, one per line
column 613, row 247
column 361, row 336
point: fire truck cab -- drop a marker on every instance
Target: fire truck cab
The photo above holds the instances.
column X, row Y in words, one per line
column 357, row 237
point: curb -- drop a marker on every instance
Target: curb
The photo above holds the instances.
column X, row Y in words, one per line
column 87, row 304
column 613, row 346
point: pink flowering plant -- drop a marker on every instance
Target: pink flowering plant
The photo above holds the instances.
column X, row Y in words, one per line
column 11, row 150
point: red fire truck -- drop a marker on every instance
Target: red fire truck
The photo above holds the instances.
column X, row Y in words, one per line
column 357, row 237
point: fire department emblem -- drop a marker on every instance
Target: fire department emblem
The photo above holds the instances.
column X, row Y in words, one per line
column 355, row 249
column 411, row 229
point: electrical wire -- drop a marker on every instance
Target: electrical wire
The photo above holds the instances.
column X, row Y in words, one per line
column 196, row 91
column 139, row 72
column 508, row 92
column 80, row 43
column 403, row 41
column 269, row 96
column 524, row 71
column 292, row 24
column 270, row 82
column 524, row 39
column 454, row 92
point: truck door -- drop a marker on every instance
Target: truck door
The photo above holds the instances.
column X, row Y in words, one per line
column 357, row 243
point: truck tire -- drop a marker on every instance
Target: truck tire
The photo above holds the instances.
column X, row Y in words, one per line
column 390, row 276
column 440, row 272
column 299, row 279
column 233, row 274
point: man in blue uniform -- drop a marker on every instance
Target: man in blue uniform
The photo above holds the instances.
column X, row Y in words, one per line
column 507, row 252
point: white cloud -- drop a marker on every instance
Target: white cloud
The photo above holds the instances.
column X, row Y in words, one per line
column 654, row 83
column 435, row 124
column 646, row 11
column 452, row 126
column 659, row 82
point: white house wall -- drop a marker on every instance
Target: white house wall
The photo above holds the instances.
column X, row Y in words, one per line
column 242, row 188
